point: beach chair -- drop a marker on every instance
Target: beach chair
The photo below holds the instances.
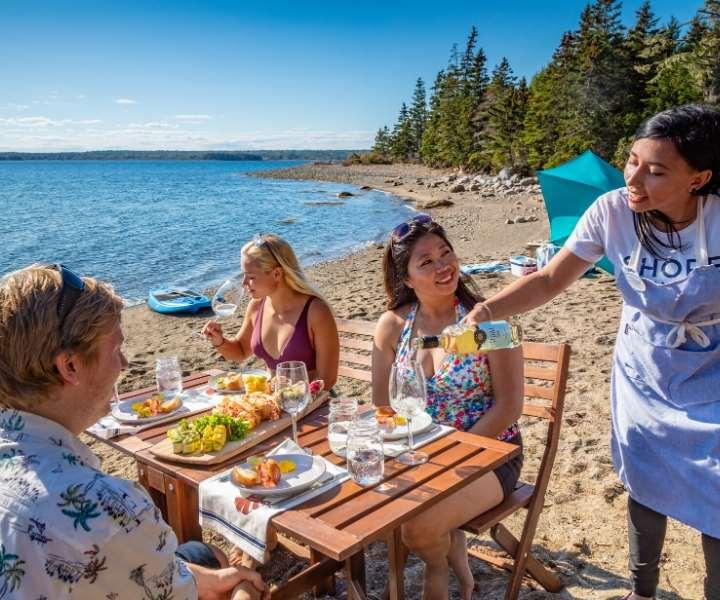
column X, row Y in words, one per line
column 546, row 372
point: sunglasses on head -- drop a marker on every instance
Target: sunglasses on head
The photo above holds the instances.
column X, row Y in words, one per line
column 72, row 287
column 259, row 241
column 404, row 228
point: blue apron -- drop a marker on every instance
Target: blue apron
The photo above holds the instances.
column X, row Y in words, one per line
column 665, row 390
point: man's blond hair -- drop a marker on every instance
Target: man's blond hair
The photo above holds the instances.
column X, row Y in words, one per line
column 31, row 335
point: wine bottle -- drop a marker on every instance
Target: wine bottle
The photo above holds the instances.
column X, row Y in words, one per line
column 468, row 339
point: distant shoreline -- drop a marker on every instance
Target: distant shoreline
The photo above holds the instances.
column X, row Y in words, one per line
column 226, row 155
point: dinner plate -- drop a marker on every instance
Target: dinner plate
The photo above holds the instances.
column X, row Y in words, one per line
column 420, row 424
column 308, row 469
column 213, row 381
column 124, row 413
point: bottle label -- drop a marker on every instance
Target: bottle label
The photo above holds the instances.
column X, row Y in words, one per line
column 494, row 335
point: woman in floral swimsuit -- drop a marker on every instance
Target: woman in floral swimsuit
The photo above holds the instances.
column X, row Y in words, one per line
column 426, row 294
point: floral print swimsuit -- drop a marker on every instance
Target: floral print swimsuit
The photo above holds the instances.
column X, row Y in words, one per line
column 460, row 391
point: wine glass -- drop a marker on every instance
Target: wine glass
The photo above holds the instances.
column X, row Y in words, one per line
column 293, row 387
column 228, row 296
column 408, row 398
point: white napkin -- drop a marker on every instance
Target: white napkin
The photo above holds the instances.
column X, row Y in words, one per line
column 194, row 400
column 244, row 520
column 396, row 447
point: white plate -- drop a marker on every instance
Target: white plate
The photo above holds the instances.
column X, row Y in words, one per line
column 212, row 382
column 420, row 424
column 124, row 413
column 308, row 469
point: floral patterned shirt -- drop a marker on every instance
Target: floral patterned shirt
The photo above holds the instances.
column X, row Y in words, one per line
column 460, row 391
column 69, row 531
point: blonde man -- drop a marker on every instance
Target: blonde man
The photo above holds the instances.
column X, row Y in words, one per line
column 67, row 529
column 286, row 318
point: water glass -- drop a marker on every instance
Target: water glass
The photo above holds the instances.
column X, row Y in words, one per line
column 365, row 458
column 293, row 387
column 168, row 376
column 342, row 413
column 408, row 398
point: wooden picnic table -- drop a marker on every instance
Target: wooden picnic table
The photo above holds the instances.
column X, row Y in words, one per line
column 332, row 529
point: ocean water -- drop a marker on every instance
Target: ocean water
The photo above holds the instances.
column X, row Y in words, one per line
column 144, row 225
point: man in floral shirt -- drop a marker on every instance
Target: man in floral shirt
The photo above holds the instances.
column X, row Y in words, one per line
column 66, row 529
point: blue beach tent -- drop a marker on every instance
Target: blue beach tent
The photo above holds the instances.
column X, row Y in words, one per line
column 570, row 188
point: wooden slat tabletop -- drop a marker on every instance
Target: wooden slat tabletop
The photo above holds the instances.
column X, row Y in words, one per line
column 343, row 520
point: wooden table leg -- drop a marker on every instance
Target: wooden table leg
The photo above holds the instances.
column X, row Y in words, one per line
column 327, row 586
column 183, row 511
column 177, row 501
column 355, row 576
column 397, row 556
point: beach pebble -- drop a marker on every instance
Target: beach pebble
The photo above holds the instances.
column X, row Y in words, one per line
column 365, row 188
column 509, row 222
column 344, row 194
column 457, row 188
column 437, row 203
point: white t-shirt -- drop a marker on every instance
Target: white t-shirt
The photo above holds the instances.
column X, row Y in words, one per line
column 607, row 228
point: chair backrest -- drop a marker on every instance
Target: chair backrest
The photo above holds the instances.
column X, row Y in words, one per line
column 356, row 343
column 546, row 373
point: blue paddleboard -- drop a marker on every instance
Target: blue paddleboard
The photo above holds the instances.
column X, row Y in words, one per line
column 177, row 301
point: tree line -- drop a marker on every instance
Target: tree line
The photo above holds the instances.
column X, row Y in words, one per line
column 601, row 82
column 230, row 155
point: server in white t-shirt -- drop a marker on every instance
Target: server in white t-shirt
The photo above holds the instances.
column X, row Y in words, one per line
column 662, row 234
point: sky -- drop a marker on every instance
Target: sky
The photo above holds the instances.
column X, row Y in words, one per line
column 247, row 75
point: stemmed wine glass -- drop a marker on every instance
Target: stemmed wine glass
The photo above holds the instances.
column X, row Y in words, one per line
column 228, row 296
column 293, row 387
column 227, row 299
column 408, row 398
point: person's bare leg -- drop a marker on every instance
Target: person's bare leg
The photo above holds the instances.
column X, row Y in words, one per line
column 428, row 534
column 437, row 572
column 459, row 563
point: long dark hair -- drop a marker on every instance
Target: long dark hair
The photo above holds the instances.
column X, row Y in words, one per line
column 694, row 130
column 395, row 267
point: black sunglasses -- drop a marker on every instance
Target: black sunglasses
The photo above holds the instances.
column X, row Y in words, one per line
column 72, row 287
column 404, row 228
column 259, row 241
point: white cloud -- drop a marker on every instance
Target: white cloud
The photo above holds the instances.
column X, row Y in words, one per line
column 193, row 118
column 125, row 101
column 14, row 106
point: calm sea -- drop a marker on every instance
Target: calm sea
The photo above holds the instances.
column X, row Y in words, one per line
column 149, row 224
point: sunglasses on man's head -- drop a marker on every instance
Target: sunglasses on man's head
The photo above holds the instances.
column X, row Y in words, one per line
column 72, row 287
column 404, row 228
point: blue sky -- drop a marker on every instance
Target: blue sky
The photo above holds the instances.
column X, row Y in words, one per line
column 155, row 74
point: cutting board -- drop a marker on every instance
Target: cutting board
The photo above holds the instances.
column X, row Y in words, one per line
column 265, row 430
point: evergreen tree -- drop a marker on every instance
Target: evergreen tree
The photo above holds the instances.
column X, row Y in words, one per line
column 506, row 105
column 401, row 141
column 418, row 116
column 382, row 141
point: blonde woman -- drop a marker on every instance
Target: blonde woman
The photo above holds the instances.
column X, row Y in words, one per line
column 286, row 318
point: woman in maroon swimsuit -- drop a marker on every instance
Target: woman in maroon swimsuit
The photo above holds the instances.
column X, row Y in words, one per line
column 286, row 318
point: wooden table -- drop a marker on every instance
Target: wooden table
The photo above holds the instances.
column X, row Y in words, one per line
column 332, row 529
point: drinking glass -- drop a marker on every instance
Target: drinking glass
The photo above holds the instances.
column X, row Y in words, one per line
column 293, row 387
column 365, row 458
column 408, row 398
column 168, row 376
column 342, row 413
column 228, row 296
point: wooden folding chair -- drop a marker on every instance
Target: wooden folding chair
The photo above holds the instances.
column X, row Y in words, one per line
column 547, row 364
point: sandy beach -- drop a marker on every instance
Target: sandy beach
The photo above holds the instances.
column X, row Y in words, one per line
column 582, row 531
